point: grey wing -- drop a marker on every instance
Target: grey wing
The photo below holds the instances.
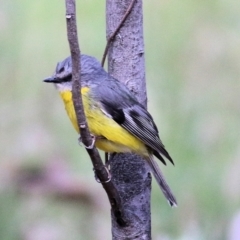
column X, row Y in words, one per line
column 119, row 103
column 140, row 123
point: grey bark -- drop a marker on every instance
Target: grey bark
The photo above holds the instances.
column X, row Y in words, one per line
column 126, row 60
column 130, row 174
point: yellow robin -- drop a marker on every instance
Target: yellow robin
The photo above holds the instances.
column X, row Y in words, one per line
column 115, row 118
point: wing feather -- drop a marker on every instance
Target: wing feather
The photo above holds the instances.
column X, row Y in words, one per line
column 117, row 101
column 140, row 123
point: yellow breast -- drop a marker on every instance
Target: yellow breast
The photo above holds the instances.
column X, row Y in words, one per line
column 117, row 139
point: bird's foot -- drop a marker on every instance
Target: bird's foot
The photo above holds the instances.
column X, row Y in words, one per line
column 91, row 145
column 109, row 176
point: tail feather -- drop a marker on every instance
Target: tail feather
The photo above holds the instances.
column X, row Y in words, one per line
column 161, row 181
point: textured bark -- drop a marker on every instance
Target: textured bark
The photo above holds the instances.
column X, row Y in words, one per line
column 130, row 174
column 133, row 182
column 126, row 60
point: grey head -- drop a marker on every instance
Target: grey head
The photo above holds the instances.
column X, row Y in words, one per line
column 62, row 77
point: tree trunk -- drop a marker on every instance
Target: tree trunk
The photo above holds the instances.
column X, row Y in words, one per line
column 130, row 173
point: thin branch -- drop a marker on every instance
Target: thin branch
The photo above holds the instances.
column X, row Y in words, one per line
column 101, row 172
column 111, row 38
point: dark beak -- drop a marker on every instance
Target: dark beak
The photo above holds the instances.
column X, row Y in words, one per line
column 51, row 79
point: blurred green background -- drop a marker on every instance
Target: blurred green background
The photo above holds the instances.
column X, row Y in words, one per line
column 47, row 188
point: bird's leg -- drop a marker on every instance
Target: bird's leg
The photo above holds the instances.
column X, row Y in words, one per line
column 108, row 159
column 106, row 166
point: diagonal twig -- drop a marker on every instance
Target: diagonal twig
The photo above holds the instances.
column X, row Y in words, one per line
column 100, row 170
column 111, row 38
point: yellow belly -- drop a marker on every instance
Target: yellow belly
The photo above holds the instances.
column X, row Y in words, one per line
column 117, row 139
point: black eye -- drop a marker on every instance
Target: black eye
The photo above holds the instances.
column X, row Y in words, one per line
column 61, row 70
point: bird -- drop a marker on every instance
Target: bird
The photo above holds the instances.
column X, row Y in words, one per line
column 116, row 119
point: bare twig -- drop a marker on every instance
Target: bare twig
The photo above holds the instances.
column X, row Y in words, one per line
column 111, row 38
column 100, row 170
